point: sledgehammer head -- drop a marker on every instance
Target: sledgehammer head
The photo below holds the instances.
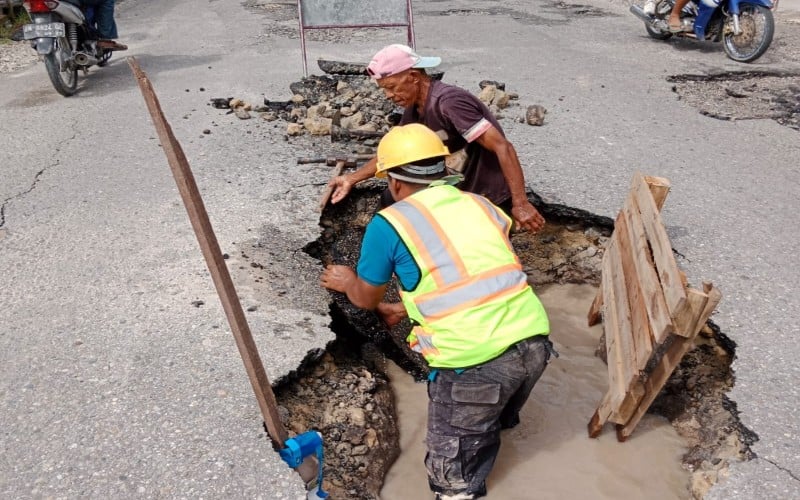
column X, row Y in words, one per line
column 331, row 161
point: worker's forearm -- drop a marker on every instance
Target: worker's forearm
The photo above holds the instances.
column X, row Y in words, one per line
column 512, row 171
column 365, row 172
column 363, row 295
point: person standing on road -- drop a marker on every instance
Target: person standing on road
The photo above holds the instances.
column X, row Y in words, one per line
column 492, row 167
column 476, row 321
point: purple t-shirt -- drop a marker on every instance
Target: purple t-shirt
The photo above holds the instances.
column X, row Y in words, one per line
column 464, row 118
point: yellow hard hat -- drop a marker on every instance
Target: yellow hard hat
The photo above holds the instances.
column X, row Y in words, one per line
column 407, row 144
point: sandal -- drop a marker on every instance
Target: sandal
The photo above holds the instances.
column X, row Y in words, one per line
column 111, row 45
column 672, row 28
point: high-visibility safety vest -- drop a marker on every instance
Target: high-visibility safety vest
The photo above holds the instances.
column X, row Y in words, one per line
column 473, row 300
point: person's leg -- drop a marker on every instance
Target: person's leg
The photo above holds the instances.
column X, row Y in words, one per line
column 535, row 361
column 464, row 417
column 675, row 16
column 104, row 16
column 107, row 26
column 463, row 438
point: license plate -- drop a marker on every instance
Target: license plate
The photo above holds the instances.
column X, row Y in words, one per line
column 46, row 30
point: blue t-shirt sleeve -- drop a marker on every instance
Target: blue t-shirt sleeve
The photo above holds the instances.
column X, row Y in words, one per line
column 384, row 253
column 375, row 265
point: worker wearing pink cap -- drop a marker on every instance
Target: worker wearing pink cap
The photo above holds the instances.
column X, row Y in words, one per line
column 491, row 169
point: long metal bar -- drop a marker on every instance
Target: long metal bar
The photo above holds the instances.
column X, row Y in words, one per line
column 201, row 224
column 302, row 38
column 412, row 41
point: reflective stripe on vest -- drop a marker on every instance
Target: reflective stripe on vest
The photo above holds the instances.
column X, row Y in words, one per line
column 486, row 286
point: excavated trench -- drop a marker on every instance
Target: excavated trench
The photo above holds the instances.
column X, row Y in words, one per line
column 345, row 392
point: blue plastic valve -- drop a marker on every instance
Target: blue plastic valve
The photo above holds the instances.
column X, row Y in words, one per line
column 299, row 448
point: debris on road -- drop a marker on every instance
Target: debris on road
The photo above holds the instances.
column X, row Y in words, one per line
column 348, row 106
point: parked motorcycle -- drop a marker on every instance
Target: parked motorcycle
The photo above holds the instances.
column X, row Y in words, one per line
column 63, row 35
column 745, row 27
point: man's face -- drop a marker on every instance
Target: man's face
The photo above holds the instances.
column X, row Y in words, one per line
column 401, row 88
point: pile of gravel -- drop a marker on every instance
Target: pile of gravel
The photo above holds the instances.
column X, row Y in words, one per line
column 15, row 56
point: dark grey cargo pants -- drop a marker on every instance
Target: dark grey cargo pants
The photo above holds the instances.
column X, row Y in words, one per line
column 467, row 410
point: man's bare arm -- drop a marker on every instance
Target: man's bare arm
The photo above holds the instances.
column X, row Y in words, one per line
column 524, row 212
column 359, row 292
column 342, row 184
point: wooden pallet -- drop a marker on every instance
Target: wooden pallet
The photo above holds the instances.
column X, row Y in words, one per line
column 650, row 315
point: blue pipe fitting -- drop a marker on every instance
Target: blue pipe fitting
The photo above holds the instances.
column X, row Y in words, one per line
column 297, row 449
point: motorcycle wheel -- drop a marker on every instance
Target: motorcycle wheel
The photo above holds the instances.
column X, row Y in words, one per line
column 758, row 27
column 656, row 33
column 63, row 77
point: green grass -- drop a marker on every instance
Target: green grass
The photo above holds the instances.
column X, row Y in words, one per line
column 8, row 24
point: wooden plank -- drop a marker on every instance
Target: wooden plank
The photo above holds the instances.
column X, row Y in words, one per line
column 615, row 364
column 659, row 188
column 624, row 331
column 616, row 298
column 190, row 194
column 652, row 293
column 600, row 416
column 655, row 381
column 671, row 358
column 666, row 266
column 642, row 337
column 714, row 298
column 630, row 403
column 595, row 314
column 686, row 320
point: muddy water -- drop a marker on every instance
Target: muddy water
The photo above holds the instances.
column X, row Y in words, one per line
column 549, row 454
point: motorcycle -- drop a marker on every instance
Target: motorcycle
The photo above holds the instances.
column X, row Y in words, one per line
column 745, row 27
column 63, row 34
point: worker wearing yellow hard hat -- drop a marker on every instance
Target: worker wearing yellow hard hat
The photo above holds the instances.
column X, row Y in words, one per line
column 474, row 317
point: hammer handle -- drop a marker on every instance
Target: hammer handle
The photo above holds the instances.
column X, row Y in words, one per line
column 303, row 161
column 351, row 158
column 326, row 195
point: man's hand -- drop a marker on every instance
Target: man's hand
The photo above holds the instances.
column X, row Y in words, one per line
column 391, row 313
column 341, row 184
column 338, row 278
column 527, row 217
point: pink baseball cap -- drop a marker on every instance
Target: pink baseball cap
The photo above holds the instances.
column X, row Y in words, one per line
column 397, row 58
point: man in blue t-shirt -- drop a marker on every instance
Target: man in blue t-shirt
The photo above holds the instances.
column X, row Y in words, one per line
column 476, row 320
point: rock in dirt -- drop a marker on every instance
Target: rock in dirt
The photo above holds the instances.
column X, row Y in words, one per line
column 535, row 115
column 242, row 114
column 221, row 102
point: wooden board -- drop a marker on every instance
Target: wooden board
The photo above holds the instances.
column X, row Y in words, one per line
column 642, row 337
column 664, row 260
column 652, row 293
column 706, row 302
column 614, row 357
column 659, row 188
column 650, row 314
column 625, row 384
